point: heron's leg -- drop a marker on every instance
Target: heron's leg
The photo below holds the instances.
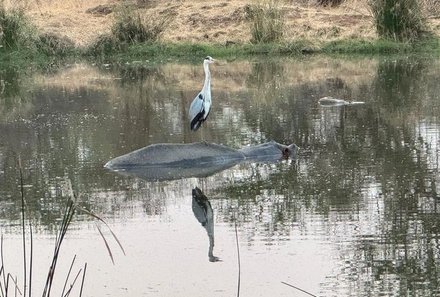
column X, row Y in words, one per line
column 202, row 136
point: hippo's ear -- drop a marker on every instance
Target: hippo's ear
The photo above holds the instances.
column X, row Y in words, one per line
column 286, row 152
column 293, row 149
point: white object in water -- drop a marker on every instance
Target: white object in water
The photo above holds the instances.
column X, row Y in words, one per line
column 330, row 101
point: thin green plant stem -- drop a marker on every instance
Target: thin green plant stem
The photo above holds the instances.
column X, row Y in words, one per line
column 3, row 269
column 16, row 288
column 68, row 275
column 238, row 259
column 83, row 278
column 15, row 283
column 31, row 259
column 299, row 289
column 67, row 218
column 23, row 226
column 72, row 284
column 105, row 223
column 106, row 244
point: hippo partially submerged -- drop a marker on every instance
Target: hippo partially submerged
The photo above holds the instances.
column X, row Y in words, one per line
column 167, row 161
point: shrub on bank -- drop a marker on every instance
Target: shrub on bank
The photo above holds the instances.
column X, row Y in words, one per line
column 400, row 20
column 331, row 3
column 52, row 44
column 17, row 33
column 15, row 30
column 267, row 21
column 130, row 28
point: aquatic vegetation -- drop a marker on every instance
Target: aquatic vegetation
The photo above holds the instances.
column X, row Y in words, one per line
column 9, row 285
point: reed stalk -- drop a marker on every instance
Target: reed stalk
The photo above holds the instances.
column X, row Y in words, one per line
column 238, row 259
column 23, row 224
column 6, row 278
column 67, row 218
column 299, row 289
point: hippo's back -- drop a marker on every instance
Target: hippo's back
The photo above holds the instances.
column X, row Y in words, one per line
column 175, row 155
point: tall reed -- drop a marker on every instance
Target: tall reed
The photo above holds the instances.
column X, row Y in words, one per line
column 9, row 285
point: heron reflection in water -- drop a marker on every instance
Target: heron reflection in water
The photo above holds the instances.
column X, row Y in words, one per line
column 203, row 212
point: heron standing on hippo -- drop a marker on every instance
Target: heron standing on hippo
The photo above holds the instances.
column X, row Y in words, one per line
column 166, row 161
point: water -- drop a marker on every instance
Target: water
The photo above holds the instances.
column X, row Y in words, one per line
column 355, row 215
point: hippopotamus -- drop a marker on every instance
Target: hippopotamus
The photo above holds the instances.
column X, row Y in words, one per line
column 167, row 161
column 330, row 101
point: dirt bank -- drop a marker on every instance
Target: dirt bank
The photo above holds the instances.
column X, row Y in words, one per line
column 208, row 21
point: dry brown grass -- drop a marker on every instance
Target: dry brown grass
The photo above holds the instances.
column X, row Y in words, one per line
column 211, row 21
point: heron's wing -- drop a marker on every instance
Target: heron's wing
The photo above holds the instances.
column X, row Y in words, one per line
column 197, row 112
column 196, row 106
column 206, row 103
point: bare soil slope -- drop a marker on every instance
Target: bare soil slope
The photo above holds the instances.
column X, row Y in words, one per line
column 83, row 21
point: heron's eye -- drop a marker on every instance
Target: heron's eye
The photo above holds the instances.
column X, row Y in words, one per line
column 207, row 58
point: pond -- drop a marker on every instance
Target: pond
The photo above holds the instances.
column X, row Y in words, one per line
column 355, row 214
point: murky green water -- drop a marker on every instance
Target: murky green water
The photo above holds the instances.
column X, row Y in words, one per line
column 355, row 215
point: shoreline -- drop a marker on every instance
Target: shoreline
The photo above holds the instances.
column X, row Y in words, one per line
column 192, row 28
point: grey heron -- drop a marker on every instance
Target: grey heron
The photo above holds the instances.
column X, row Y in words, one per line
column 201, row 105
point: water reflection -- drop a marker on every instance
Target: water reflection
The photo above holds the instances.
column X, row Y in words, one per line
column 365, row 185
column 203, row 212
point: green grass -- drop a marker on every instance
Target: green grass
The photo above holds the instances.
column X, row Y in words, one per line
column 381, row 46
column 159, row 52
column 188, row 51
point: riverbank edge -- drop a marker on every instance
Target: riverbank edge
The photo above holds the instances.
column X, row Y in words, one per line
column 158, row 51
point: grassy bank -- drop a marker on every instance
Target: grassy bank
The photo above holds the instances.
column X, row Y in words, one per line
column 157, row 51
column 136, row 37
column 187, row 51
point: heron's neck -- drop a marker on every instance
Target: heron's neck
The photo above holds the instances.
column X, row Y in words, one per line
column 207, row 84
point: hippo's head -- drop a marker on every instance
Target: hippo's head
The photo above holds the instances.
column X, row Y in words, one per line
column 289, row 151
